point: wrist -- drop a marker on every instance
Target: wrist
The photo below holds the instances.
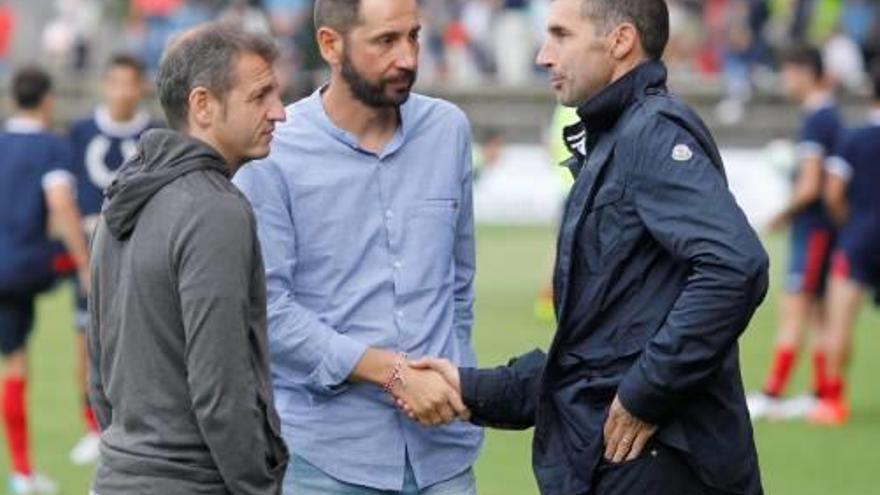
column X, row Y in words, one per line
column 396, row 379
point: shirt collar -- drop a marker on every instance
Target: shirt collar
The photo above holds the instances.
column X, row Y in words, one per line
column 115, row 128
column 602, row 110
column 24, row 125
column 315, row 106
column 818, row 101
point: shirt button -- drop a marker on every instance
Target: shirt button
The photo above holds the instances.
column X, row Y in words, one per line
column 389, row 214
column 400, row 314
column 398, row 264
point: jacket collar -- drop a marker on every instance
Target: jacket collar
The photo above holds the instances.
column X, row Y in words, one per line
column 601, row 112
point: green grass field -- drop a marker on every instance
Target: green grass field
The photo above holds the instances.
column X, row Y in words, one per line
column 796, row 459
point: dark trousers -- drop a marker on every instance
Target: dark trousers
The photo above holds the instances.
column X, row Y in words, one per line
column 658, row 471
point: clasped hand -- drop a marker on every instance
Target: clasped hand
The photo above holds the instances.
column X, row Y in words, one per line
column 429, row 392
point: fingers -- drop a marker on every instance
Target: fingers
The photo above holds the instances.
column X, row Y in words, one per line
column 613, row 442
column 626, row 440
column 639, row 443
column 421, row 363
column 457, row 404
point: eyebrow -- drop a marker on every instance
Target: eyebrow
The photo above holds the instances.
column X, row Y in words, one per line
column 393, row 32
column 263, row 88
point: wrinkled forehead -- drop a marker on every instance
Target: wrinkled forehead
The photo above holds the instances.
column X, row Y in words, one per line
column 384, row 15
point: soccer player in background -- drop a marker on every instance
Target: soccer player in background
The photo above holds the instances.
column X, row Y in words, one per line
column 851, row 195
column 36, row 192
column 812, row 238
column 100, row 144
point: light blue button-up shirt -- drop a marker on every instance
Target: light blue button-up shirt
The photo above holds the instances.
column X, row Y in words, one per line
column 366, row 250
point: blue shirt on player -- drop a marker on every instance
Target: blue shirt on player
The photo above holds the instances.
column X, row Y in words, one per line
column 32, row 160
column 817, row 138
column 363, row 250
column 100, row 146
column 856, row 162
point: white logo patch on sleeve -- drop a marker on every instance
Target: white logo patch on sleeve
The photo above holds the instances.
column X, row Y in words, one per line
column 682, row 153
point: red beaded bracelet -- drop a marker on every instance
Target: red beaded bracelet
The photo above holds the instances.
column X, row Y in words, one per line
column 396, row 373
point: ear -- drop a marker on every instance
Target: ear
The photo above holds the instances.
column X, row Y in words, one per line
column 330, row 43
column 624, row 41
column 201, row 108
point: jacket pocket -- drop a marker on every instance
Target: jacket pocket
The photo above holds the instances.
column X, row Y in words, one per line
column 276, row 450
column 602, row 228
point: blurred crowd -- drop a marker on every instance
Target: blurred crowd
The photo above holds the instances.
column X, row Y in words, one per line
column 468, row 42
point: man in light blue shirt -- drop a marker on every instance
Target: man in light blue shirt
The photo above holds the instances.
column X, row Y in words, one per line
column 366, row 224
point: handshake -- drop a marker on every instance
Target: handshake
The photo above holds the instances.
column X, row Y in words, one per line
column 428, row 390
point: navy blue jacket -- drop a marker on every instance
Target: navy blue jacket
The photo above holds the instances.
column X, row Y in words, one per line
column 658, row 274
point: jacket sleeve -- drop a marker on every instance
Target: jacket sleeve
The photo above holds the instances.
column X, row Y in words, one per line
column 300, row 343
column 505, row 397
column 213, row 258
column 682, row 199
column 98, row 400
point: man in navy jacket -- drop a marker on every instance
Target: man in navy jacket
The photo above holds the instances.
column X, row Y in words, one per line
column 658, row 274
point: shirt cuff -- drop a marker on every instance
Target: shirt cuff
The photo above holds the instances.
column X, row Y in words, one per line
column 467, row 378
column 334, row 370
column 642, row 399
column 839, row 167
column 809, row 149
column 56, row 178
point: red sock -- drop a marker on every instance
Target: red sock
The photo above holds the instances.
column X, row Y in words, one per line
column 89, row 415
column 820, row 374
column 15, row 420
column 834, row 389
column 783, row 363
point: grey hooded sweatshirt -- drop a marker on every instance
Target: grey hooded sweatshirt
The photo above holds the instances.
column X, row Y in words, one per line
column 178, row 361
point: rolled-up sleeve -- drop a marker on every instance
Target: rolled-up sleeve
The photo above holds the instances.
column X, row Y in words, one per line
column 300, row 343
column 683, row 200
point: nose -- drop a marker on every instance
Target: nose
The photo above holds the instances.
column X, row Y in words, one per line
column 276, row 110
column 543, row 58
column 408, row 58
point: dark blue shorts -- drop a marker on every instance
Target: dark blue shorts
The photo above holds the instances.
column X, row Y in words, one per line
column 16, row 322
column 857, row 258
column 809, row 259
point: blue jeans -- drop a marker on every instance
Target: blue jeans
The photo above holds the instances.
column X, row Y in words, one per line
column 303, row 478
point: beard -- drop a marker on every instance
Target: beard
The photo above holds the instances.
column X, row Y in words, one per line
column 375, row 94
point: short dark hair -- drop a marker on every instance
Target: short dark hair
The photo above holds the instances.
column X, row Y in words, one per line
column 650, row 17
column 127, row 61
column 806, row 56
column 205, row 57
column 30, row 86
column 339, row 15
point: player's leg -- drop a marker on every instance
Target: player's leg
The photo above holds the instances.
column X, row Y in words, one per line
column 801, row 405
column 86, row 450
column 794, row 310
column 843, row 304
column 813, row 284
column 16, row 323
column 16, row 316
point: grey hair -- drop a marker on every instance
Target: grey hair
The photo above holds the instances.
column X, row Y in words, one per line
column 339, row 15
column 650, row 17
column 204, row 56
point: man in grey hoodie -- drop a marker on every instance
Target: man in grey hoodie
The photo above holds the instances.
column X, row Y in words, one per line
column 179, row 374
